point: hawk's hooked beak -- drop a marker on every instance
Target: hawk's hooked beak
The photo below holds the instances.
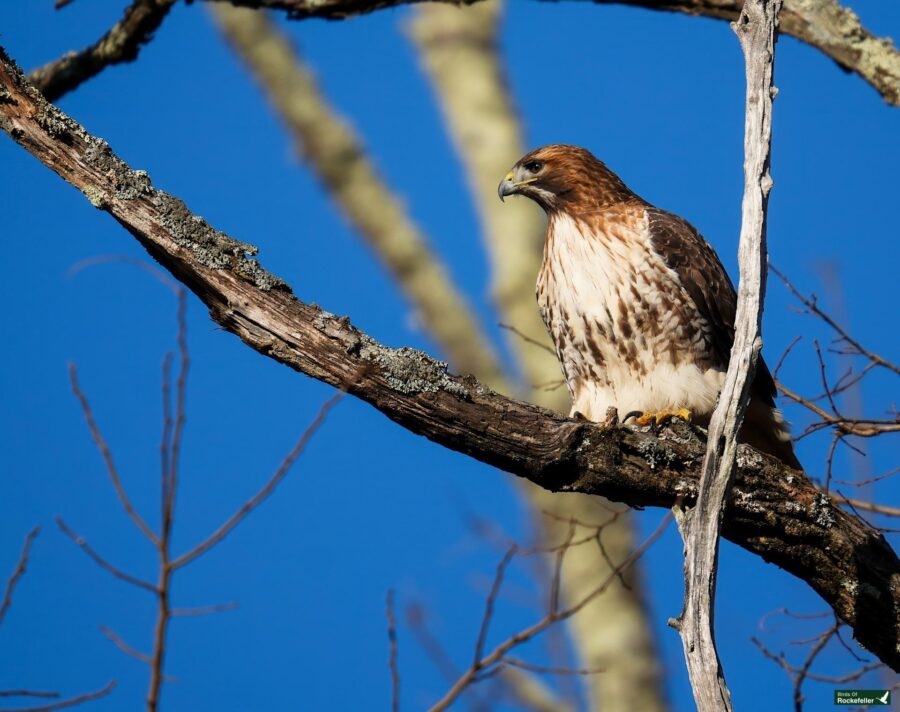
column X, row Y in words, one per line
column 507, row 186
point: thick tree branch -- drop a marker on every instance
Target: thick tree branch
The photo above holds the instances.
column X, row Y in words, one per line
column 774, row 512
column 121, row 44
column 827, row 25
column 700, row 526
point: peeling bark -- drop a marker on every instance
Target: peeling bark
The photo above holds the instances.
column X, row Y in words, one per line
column 774, row 512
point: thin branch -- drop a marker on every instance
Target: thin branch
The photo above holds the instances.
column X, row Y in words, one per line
column 528, row 340
column 870, row 480
column 545, row 670
column 813, row 308
column 70, row 702
column 125, row 647
column 827, row 547
column 100, row 561
column 204, row 610
column 491, row 601
column 530, row 692
column 106, row 454
column 488, row 663
column 861, row 427
column 266, row 490
column 18, row 572
column 30, row 693
column 415, row 619
column 120, row 44
column 392, row 661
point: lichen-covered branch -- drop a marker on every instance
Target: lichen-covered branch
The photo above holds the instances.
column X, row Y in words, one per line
column 827, row 25
column 774, row 512
column 332, row 150
column 756, row 28
column 459, row 51
column 121, row 44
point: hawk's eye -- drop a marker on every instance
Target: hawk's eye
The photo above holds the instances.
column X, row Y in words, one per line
column 534, row 166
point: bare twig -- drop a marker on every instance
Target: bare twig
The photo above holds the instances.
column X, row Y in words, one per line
column 204, row 610
column 266, row 490
column 120, row 44
column 18, row 572
column 125, row 647
column 756, row 30
column 870, row 480
column 812, row 307
column 392, row 661
column 547, row 670
column 100, row 561
column 415, row 619
column 800, row 674
column 527, row 339
column 861, row 427
column 30, row 693
column 108, row 458
column 70, row 702
column 488, row 664
column 491, row 601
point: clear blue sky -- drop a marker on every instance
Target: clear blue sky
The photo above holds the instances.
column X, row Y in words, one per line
column 371, row 507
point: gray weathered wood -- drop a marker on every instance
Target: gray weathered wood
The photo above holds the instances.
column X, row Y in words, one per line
column 700, row 526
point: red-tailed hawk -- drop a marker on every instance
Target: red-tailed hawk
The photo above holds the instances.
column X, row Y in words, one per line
column 638, row 304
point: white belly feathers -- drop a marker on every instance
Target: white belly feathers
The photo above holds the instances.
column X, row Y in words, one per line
column 626, row 333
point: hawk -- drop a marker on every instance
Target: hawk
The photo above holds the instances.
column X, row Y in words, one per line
column 639, row 307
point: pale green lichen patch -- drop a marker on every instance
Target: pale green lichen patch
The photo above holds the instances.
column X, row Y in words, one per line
column 96, row 196
column 408, row 370
column 656, row 454
column 748, row 459
column 822, row 511
column 210, row 247
column 54, row 122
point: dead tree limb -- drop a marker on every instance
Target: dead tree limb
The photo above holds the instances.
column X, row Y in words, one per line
column 774, row 512
column 120, row 44
column 833, row 29
column 700, row 526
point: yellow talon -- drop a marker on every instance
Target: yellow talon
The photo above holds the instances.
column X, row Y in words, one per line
column 662, row 416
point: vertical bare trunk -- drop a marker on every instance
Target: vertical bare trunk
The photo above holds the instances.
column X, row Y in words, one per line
column 700, row 526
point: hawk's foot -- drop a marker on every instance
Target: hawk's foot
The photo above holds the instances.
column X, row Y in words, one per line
column 660, row 416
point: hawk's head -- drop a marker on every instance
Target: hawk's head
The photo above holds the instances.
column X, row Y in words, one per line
column 564, row 178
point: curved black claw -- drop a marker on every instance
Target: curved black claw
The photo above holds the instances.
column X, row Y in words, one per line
column 632, row 414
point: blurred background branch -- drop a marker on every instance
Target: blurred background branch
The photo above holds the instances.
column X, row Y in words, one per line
column 460, row 52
